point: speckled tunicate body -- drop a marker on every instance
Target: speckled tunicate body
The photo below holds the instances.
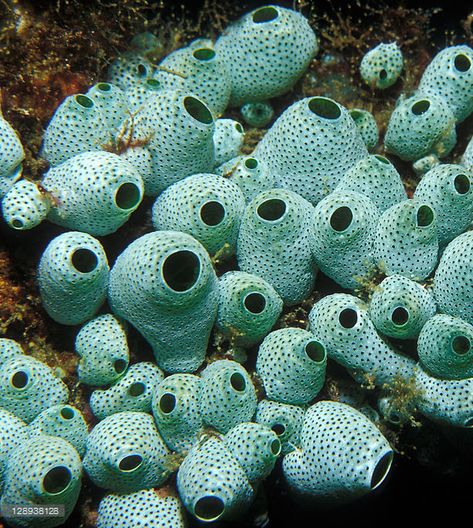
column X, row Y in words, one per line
column 137, row 97
column 13, row 433
column 9, row 348
column 228, row 140
column 257, row 115
column 11, row 156
column 129, row 69
column 24, row 206
column 367, row 126
column 381, row 66
column 112, row 102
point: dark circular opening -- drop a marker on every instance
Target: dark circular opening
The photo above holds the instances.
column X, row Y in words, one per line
column 153, row 84
column 381, row 470
column 279, row 429
column 104, row 87
column 462, row 63
column 462, row 183
column 272, row 210
column 212, row 213
column 400, row 316
column 57, row 480
column 275, row 447
column 197, row 110
column 251, row 163
column 84, row 101
column 130, row 462
column 356, row 115
column 239, row 128
column 127, row 196
column 420, row 107
column 84, row 260
column 17, row 223
column 382, row 159
column 461, row 345
column 20, row 379
column 209, row 508
column 326, row 108
column 341, row 219
column 255, row 302
column 204, row 54
column 181, row 270
column 167, row 403
column 383, row 74
column 119, row 365
column 265, row 14
column 394, row 418
column 136, row 389
column 348, row 318
column 425, row 216
column 67, row 413
column 237, row 381
column 315, row 351
column 142, row 70
column 469, row 422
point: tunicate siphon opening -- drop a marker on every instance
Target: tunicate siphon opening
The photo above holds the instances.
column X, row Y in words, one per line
column 237, row 381
column 255, row 302
column 341, row 219
column 469, row 422
column 356, row 115
column 141, row 70
column 84, row 101
column 462, row 62
column 400, row 316
column 279, row 429
column 84, row 260
column 462, row 183
column 20, row 379
column 153, row 84
column 348, row 318
column 119, row 365
column 315, row 351
column 251, row 163
column 67, row 413
column 324, row 107
column 425, row 216
column 17, row 223
column 382, row 159
column 204, row 54
column 461, row 344
column 128, row 196
column 275, row 447
column 209, row 508
column 383, row 74
column 381, row 470
column 272, row 210
column 136, row 389
column 167, row 403
column 239, row 128
column 420, row 107
column 212, row 213
column 394, row 418
column 130, row 462
column 104, row 87
column 197, row 110
column 181, row 270
column 265, row 14
column 57, row 480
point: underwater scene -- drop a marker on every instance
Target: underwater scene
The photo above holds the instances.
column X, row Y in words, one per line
column 236, row 262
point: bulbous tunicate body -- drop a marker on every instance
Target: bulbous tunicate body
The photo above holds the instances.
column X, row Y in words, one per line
column 9, row 349
column 342, row 237
column 445, row 347
column 331, row 145
column 343, row 455
column 406, row 240
column 103, row 350
column 248, row 307
column 188, row 126
column 44, row 470
column 8, row 181
column 420, row 125
column 268, row 50
column 377, row 178
column 448, row 190
column 467, row 158
column 291, row 365
column 129, row 69
column 367, row 126
column 273, row 243
column 24, row 206
column 125, row 453
column 453, row 279
column 228, row 139
column 450, row 76
column 78, row 125
column 257, row 115
column 342, row 323
column 73, row 277
column 112, row 102
column 29, row 386
column 13, row 433
column 11, row 155
column 206, row 206
column 95, row 192
column 381, row 66
column 164, row 284
column 137, row 97
column 400, row 307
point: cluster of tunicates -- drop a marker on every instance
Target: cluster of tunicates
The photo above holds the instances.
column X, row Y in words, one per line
column 310, row 198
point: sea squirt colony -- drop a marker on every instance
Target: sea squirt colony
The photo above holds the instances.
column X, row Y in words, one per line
column 310, row 197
